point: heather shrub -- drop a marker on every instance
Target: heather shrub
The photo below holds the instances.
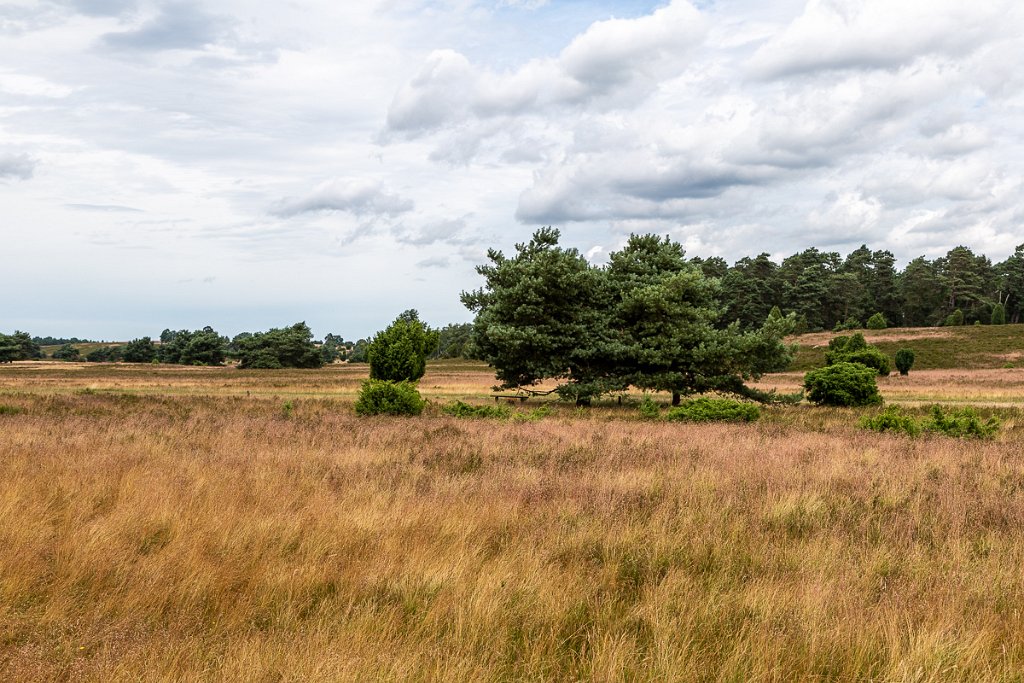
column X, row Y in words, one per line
column 713, row 410
column 891, row 419
column 842, row 384
column 962, row 422
column 649, row 409
column 381, row 397
column 462, row 409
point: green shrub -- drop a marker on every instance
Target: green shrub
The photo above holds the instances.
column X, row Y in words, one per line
column 461, row 409
column 891, row 420
column 648, row 409
column 855, row 349
column 904, row 361
column 842, row 384
column 9, row 410
column 955, row 319
column 872, row 358
column 850, row 323
column 998, row 315
column 846, row 344
column 963, row 423
column 877, row 322
column 713, row 410
column 381, row 397
column 399, row 352
column 536, row 414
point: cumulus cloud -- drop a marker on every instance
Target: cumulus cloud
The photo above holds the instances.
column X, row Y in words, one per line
column 359, row 198
column 843, row 34
column 16, row 166
column 616, row 57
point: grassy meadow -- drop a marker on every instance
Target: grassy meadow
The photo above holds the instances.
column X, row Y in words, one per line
column 160, row 523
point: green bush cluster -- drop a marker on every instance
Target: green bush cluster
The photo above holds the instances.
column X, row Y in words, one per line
column 842, row 384
column 713, row 410
column 855, row 349
column 537, row 413
column 877, row 322
column 462, row 409
column 649, row 408
column 9, row 410
column 963, row 423
column 381, row 397
column 891, row 419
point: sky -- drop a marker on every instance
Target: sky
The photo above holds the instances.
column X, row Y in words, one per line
column 249, row 164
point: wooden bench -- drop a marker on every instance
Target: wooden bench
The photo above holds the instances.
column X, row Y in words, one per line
column 521, row 397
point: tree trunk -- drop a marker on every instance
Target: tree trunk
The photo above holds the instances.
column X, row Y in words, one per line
column 676, row 398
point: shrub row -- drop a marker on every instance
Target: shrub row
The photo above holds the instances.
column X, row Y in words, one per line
column 963, row 423
column 702, row 410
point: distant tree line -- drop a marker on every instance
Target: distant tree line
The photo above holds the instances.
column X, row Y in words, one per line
column 827, row 291
column 59, row 341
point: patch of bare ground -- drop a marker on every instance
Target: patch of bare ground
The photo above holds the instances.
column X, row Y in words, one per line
column 821, row 339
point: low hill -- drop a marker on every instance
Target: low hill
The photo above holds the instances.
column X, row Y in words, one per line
column 84, row 348
column 970, row 346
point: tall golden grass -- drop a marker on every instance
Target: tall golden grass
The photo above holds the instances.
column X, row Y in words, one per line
column 228, row 538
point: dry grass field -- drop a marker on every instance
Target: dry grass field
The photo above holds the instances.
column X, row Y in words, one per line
column 196, row 524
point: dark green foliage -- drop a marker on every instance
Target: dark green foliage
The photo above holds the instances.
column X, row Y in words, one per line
column 848, row 324
column 543, row 314
column 649, row 319
column 358, row 352
column 286, row 347
column 877, row 322
column 139, row 351
column 904, row 361
column 454, row 341
column 67, row 352
column 954, row 319
column 962, row 423
column 461, row 409
column 9, row 350
column 854, row 349
column 105, row 354
column 871, row 357
column 9, row 410
column 998, row 315
column 842, row 384
column 648, row 408
column 713, row 410
column 399, row 353
column 60, row 341
column 334, row 348
column 381, row 397
column 18, row 346
column 892, row 419
column 849, row 344
column 201, row 347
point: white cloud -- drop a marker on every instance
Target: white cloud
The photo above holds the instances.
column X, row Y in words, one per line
column 845, row 34
column 613, row 61
column 358, row 197
column 146, row 132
